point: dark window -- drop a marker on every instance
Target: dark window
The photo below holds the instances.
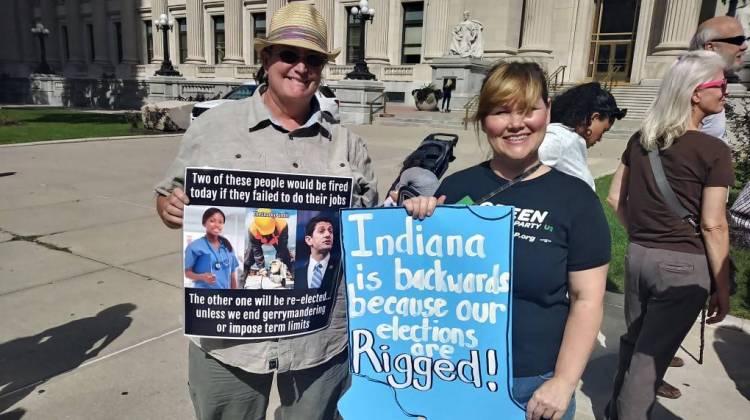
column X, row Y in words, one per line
column 411, row 50
column 182, row 28
column 90, row 30
column 259, row 30
column 218, row 39
column 353, row 34
column 118, row 34
column 149, row 41
column 66, row 45
column 395, row 96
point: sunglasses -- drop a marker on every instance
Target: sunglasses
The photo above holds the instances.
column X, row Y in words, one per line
column 718, row 83
column 736, row 40
column 312, row 60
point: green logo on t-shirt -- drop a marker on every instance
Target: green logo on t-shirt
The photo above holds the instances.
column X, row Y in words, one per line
column 465, row 201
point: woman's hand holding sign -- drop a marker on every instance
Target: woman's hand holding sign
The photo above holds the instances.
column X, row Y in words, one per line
column 551, row 400
column 422, row 206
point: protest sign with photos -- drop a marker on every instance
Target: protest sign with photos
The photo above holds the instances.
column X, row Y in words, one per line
column 261, row 252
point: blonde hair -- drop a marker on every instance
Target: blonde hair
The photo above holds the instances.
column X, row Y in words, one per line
column 511, row 84
column 669, row 116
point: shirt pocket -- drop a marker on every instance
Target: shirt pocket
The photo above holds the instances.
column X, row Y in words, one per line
column 241, row 161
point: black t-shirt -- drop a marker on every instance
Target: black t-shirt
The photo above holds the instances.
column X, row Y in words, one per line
column 559, row 227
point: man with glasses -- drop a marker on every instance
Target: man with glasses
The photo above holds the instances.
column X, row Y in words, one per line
column 725, row 36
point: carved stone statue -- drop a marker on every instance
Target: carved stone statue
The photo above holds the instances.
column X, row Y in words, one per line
column 467, row 38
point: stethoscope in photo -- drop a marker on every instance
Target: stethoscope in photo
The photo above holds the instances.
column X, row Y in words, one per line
column 219, row 262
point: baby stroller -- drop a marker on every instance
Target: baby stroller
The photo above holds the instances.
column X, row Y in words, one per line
column 423, row 168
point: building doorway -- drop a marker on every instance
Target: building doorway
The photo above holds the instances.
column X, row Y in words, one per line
column 612, row 40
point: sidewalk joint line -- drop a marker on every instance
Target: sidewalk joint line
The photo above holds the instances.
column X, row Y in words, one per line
column 107, row 356
column 89, row 362
column 35, row 240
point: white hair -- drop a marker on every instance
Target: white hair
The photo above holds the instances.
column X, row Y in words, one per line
column 670, row 114
column 701, row 37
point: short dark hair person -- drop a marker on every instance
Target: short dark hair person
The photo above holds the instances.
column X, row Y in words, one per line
column 310, row 228
column 574, row 107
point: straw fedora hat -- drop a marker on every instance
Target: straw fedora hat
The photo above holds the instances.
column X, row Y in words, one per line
column 298, row 25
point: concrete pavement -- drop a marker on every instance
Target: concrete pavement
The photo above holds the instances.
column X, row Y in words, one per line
column 90, row 288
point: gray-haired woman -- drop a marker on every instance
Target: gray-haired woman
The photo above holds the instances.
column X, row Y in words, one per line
column 279, row 129
column 670, row 263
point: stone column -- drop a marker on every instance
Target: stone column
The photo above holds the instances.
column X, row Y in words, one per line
column 233, row 35
column 537, row 27
column 640, row 46
column 195, row 32
column 376, row 41
column 99, row 14
column 29, row 50
column 437, row 33
column 157, row 8
column 327, row 9
column 49, row 19
column 75, row 31
column 271, row 7
column 680, row 22
column 128, row 22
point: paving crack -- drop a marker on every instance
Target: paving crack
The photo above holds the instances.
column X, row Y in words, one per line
column 35, row 240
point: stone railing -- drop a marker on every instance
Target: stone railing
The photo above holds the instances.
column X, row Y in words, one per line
column 398, row 72
column 337, row 71
column 245, row 72
column 204, row 91
column 200, row 91
column 139, row 69
column 205, row 71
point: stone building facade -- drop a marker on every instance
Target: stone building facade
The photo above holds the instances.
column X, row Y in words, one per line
column 630, row 41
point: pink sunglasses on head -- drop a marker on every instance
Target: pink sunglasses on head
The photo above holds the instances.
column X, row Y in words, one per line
column 718, row 83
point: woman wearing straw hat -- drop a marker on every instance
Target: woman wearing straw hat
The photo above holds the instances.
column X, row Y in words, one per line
column 279, row 129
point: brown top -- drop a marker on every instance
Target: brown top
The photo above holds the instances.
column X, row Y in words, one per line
column 694, row 161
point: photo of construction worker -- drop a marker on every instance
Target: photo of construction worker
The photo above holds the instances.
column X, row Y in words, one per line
column 270, row 251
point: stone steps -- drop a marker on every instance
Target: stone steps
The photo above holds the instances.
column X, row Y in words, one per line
column 636, row 98
column 453, row 119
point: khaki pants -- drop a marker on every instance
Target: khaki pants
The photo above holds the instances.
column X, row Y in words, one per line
column 664, row 293
column 223, row 392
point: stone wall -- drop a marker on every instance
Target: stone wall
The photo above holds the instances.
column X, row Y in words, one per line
column 107, row 93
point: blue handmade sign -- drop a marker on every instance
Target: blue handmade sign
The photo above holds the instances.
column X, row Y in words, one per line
column 429, row 313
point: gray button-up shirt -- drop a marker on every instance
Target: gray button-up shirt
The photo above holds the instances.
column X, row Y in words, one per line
column 241, row 135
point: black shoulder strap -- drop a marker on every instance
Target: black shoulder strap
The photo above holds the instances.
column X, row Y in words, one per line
column 666, row 190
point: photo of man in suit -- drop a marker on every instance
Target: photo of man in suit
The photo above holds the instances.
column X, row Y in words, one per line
column 319, row 269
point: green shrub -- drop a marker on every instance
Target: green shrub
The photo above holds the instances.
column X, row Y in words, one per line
column 6, row 119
